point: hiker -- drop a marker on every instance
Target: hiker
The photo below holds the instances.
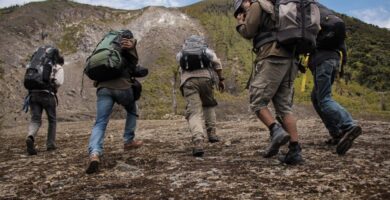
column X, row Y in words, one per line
column 272, row 77
column 325, row 64
column 114, row 87
column 44, row 75
column 200, row 69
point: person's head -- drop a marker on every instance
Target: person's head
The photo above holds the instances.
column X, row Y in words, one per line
column 240, row 6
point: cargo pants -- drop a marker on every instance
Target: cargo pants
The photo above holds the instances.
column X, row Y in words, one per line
column 199, row 95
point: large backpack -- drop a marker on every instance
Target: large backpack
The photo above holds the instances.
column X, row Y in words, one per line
column 297, row 23
column 333, row 31
column 39, row 69
column 106, row 62
column 194, row 54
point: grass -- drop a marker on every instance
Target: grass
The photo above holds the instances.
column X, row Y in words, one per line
column 70, row 39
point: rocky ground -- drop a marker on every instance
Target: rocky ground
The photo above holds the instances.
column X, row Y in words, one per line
column 164, row 168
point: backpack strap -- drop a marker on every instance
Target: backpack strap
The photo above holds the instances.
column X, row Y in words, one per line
column 265, row 36
column 268, row 7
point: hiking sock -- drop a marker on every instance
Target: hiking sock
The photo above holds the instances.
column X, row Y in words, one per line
column 270, row 127
column 293, row 144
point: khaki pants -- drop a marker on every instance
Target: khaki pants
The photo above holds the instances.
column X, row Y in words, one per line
column 199, row 94
column 273, row 80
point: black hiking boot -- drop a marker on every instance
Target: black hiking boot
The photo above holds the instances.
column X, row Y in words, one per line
column 212, row 135
column 197, row 151
column 279, row 137
column 332, row 141
column 51, row 148
column 93, row 165
column 30, row 146
column 346, row 142
column 293, row 156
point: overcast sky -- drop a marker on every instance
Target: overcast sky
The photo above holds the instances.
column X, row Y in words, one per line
column 371, row 11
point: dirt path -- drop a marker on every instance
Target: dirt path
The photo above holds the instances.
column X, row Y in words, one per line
column 165, row 169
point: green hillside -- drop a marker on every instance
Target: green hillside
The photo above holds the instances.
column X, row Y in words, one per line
column 368, row 66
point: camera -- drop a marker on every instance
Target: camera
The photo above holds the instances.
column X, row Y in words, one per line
column 140, row 71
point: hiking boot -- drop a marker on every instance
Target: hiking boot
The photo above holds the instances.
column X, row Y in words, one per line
column 30, row 146
column 332, row 141
column 93, row 165
column 51, row 148
column 213, row 137
column 279, row 137
column 135, row 144
column 293, row 156
column 346, row 142
column 197, row 151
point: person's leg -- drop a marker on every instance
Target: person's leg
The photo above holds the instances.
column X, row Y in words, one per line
column 194, row 115
column 334, row 113
column 283, row 102
column 126, row 99
column 36, row 117
column 267, row 78
column 35, row 124
column 209, row 104
column 316, row 94
column 104, row 107
column 211, row 121
column 50, row 108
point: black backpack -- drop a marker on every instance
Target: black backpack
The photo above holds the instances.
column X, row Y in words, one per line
column 194, row 54
column 39, row 69
column 333, row 31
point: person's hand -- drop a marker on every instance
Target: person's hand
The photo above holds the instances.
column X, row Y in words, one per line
column 221, row 86
column 241, row 18
column 127, row 43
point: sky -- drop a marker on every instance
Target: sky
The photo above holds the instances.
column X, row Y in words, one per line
column 371, row 11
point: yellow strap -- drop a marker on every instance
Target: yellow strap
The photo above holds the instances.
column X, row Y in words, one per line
column 304, row 78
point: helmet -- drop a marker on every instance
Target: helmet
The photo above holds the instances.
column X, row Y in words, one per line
column 237, row 7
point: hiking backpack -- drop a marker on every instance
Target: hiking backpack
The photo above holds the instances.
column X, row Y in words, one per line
column 297, row 23
column 39, row 69
column 194, row 54
column 333, row 31
column 106, row 62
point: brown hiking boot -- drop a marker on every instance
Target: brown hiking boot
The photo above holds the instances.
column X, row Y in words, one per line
column 197, row 151
column 212, row 135
column 93, row 165
column 132, row 145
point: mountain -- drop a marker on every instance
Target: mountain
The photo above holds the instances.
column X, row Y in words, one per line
column 76, row 29
column 164, row 167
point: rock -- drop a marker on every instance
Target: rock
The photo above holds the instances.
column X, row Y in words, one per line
column 125, row 170
column 105, row 197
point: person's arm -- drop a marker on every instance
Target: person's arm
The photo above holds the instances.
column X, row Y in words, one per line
column 217, row 66
column 249, row 22
column 59, row 76
column 129, row 50
column 178, row 57
column 343, row 49
column 344, row 56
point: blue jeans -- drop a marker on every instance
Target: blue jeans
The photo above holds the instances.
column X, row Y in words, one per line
column 332, row 114
column 105, row 102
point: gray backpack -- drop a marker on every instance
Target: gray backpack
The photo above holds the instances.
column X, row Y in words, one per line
column 297, row 23
column 194, row 54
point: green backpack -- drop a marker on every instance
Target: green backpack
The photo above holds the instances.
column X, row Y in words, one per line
column 106, row 62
